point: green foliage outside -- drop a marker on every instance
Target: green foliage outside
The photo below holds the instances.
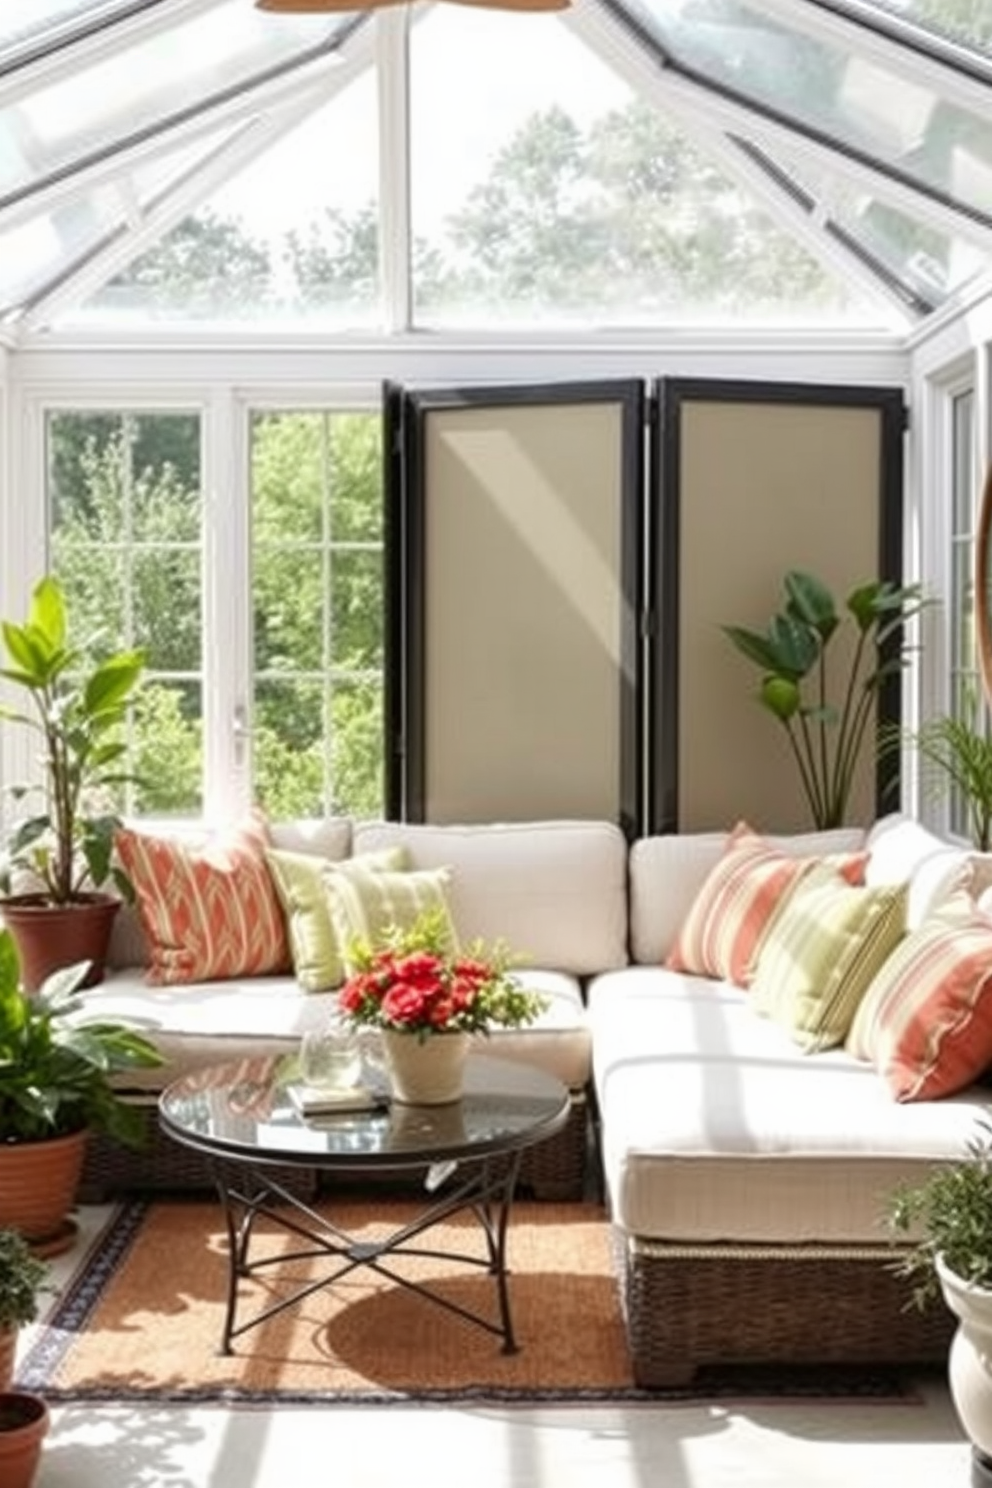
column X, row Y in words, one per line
column 127, row 547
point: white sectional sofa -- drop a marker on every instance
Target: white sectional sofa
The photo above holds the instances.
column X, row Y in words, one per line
column 747, row 1181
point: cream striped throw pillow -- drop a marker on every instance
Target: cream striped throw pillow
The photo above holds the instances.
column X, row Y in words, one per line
column 821, row 954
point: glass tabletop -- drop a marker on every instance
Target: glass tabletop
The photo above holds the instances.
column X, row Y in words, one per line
column 244, row 1110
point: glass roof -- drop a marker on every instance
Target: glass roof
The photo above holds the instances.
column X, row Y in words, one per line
column 848, row 140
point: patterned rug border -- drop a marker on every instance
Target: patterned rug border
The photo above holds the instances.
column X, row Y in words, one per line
column 108, row 1249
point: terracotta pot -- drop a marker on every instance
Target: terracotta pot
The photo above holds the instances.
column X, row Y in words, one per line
column 23, row 1424
column 50, row 936
column 428, row 1071
column 38, row 1183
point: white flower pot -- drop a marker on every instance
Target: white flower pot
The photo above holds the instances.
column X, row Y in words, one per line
column 425, row 1071
column 970, row 1362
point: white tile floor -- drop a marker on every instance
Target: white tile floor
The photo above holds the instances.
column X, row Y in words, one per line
column 723, row 1445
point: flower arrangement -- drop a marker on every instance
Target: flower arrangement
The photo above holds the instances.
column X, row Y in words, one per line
column 412, row 982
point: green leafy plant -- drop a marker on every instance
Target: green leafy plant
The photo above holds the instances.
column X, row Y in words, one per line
column 78, row 709
column 956, row 752
column 23, row 1277
column 827, row 719
column 56, row 1060
column 950, row 1214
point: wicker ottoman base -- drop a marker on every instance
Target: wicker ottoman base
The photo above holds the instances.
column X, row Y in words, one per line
column 686, row 1306
column 161, row 1166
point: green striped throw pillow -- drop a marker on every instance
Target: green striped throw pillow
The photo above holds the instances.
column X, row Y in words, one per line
column 821, row 954
column 299, row 881
column 365, row 906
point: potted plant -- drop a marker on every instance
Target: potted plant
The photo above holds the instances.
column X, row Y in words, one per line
column 425, row 999
column 56, row 1068
column 22, row 1280
column 77, row 707
column 23, row 1425
column 23, row 1417
column 827, row 721
column 948, row 1218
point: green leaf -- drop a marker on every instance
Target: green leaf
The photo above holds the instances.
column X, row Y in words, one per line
column 755, row 646
column 47, row 614
column 32, row 663
column 811, row 602
column 112, row 682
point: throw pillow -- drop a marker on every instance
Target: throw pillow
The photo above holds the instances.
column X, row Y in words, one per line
column 208, row 913
column 822, row 952
column 726, row 924
column 926, row 1020
column 299, row 881
column 363, row 906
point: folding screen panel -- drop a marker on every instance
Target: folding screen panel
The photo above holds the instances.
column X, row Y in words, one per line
column 514, row 659
column 752, row 480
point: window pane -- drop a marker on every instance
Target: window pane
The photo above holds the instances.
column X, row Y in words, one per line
column 126, row 516
column 318, row 612
column 564, row 199
column 168, row 749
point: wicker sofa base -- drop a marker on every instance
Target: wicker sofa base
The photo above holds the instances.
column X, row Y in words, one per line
column 554, row 1170
column 687, row 1306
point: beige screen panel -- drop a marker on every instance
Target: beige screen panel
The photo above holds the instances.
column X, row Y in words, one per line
column 524, row 612
column 764, row 488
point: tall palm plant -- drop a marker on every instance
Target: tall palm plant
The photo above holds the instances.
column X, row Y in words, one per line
column 826, row 719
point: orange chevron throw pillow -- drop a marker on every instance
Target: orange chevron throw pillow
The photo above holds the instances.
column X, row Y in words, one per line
column 208, row 913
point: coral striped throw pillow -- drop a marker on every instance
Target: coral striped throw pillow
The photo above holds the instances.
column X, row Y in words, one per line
column 728, row 919
column 208, row 913
column 925, row 1022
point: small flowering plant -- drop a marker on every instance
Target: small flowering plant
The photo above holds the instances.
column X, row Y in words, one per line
column 412, row 982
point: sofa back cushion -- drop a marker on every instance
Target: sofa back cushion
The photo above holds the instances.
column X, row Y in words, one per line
column 667, row 873
column 902, row 850
column 556, row 891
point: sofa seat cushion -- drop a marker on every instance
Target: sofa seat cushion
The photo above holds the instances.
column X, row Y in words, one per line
column 205, row 1023
column 555, row 891
column 558, row 1042
column 716, row 1127
column 212, row 1022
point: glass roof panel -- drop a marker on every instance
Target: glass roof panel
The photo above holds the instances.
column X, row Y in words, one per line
column 279, row 242
column 25, row 20
column 850, row 98
column 968, row 22
column 35, row 252
column 563, row 199
column 931, row 263
column 132, row 88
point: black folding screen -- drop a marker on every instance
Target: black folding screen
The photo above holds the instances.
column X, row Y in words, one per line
column 560, row 560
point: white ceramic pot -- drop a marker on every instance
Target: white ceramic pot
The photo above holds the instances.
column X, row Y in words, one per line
column 969, row 1365
column 425, row 1071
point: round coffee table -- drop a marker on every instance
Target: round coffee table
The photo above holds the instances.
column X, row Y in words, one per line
column 242, row 1118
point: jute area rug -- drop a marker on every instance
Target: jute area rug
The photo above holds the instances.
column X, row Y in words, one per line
column 143, row 1320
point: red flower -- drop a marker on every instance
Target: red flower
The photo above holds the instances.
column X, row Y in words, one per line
column 413, row 980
